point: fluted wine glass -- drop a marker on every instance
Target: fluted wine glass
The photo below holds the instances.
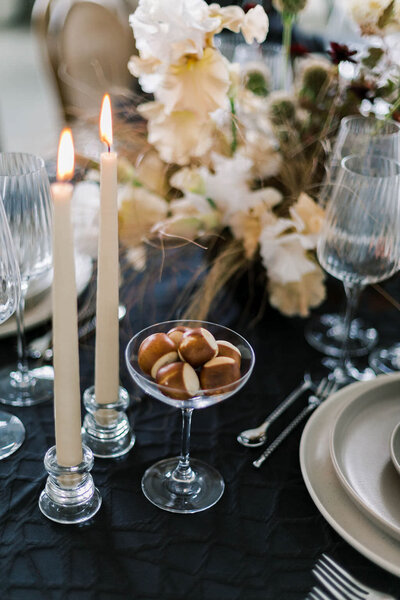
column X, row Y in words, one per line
column 182, row 484
column 363, row 136
column 25, row 188
column 12, row 432
column 359, row 242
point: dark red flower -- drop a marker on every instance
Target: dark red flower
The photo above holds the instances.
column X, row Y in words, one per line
column 340, row 53
column 298, row 50
column 249, row 5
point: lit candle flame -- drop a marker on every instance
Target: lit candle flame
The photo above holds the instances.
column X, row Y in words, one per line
column 66, row 156
column 106, row 133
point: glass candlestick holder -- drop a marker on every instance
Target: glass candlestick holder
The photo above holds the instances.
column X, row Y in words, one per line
column 106, row 429
column 70, row 495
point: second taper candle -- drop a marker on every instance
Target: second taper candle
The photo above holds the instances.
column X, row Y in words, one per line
column 107, row 324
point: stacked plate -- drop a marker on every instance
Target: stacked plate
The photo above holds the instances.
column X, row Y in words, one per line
column 350, row 461
column 38, row 302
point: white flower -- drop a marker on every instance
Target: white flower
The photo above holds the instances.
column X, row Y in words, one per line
column 196, row 85
column 262, row 151
column 230, row 17
column 228, row 187
column 168, row 30
column 178, row 137
column 85, row 208
column 190, row 204
column 283, row 252
column 255, row 25
column 367, row 14
column 138, row 213
column 297, row 297
column 308, row 216
column 188, row 179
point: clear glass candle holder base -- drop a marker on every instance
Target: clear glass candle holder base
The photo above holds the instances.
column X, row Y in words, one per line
column 106, row 429
column 70, row 496
column 194, row 494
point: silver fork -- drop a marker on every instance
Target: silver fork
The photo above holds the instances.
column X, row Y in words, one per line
column 317, row 594
column 341, row 584
column 326, row 387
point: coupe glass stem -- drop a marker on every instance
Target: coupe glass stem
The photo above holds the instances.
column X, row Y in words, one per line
column 353, row 292
column 22, row 377
column 182, row 478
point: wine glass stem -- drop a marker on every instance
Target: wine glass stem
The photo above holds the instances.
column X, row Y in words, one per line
column 353, row 292
column 182, row 477
column 23, row 367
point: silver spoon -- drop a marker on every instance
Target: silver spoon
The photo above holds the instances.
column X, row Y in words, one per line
column 252, row 438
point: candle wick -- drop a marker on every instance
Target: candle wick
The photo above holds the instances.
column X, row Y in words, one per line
column 109, row 147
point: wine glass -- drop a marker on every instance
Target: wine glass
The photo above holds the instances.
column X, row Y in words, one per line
column 25, row 189
column 182, row 484
column 363, row 136
column 12, row 432
column 359, row 241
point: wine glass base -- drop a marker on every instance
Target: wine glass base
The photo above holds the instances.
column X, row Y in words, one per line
column 329, row 368
column 386, row 360
column 40, row 389
column 325, row 333
column 208, row 491
column 12, row 434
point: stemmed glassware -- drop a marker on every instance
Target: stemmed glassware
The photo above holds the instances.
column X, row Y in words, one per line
column 359, row 243
column 363, row 136
column 25, row 189
column 183, row 484
column 12, row 432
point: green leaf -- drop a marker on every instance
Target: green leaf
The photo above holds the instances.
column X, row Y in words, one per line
column 386, row 90
column 212, row 203
column 386, row 16
column 373, row 57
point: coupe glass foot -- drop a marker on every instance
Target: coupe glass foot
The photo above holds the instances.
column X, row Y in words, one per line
column 206, row 488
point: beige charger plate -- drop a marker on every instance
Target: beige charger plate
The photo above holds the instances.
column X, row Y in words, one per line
column 328, row 494
column 40, row 312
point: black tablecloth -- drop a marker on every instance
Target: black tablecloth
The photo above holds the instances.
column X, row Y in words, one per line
column 259, row 542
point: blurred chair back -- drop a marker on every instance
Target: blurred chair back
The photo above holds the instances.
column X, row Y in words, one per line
column 87, row 45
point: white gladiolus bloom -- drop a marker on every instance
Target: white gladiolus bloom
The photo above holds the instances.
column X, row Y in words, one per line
column 178, row 137
column 367, row 13
column 195, row 85
column 284, row 254
column 228, row 186
column 255, row 25
column 169, row 30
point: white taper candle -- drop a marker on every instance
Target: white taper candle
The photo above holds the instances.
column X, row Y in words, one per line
column 67, row 402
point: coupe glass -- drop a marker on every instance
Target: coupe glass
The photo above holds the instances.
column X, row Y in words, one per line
column 12, row 432
column 182, row 484
column 25, row 189
column 363, row 136
column 359, row 242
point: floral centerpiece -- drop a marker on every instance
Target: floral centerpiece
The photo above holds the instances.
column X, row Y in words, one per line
column 223, row 154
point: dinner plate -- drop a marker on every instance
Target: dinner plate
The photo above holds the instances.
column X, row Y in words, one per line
column 360, row 453
column 41, row 311
column 327, row 492
column 395, row 447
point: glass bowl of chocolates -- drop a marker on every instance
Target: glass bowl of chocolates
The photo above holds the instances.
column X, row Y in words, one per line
column 187, row 364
